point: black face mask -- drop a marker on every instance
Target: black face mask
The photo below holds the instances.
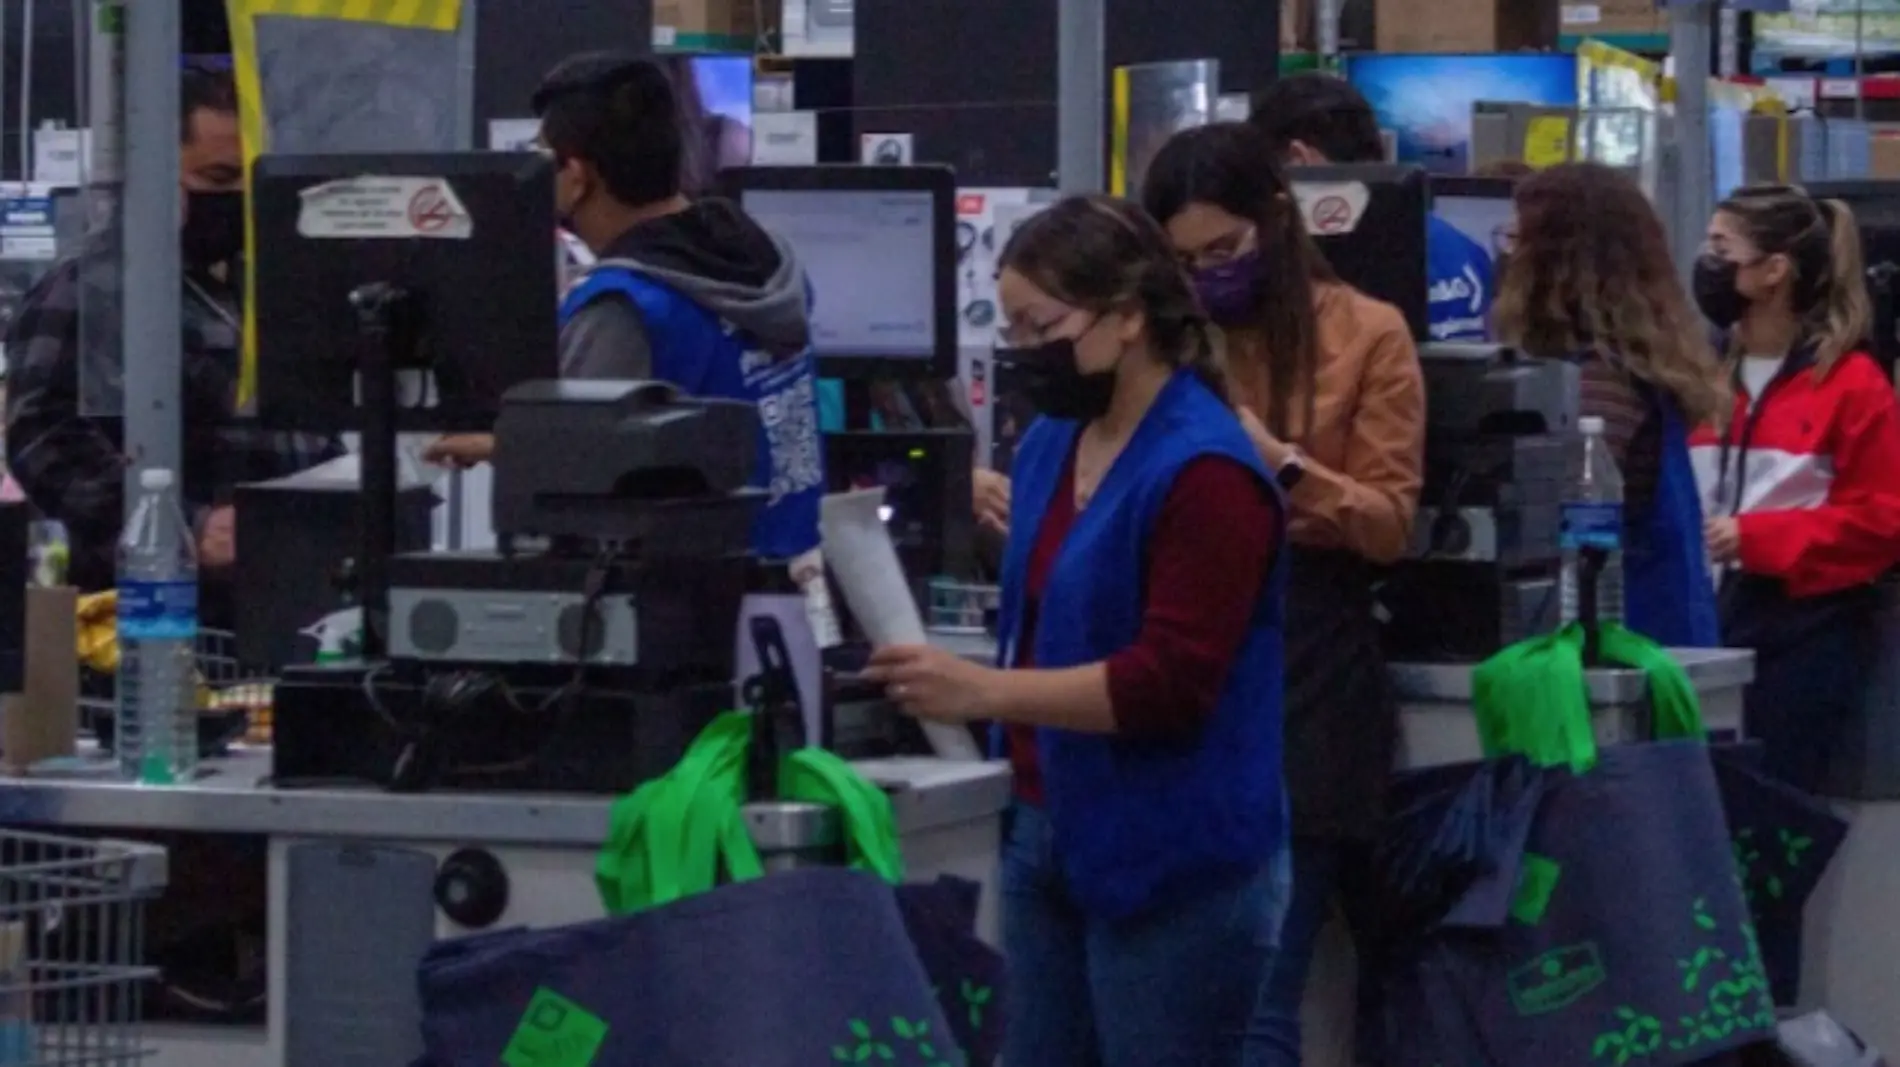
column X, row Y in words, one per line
column 1715, row 292
column 1053, row 383
column 214, row 228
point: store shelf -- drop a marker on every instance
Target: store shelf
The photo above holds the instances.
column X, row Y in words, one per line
column 1643, row 43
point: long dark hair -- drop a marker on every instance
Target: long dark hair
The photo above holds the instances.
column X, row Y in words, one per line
column 1591, row 272
column 1233, row 166
column 1822, row 240
column 1101, row 254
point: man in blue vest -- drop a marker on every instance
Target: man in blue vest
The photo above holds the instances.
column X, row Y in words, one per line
column 693, row 292
column 1317, row 119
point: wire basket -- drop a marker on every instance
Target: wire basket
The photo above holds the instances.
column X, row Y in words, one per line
column 237, row 693
column 72, row 944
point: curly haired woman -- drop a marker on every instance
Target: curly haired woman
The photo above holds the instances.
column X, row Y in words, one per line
column 1590, row 279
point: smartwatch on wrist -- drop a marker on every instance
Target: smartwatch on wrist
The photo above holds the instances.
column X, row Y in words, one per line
column 1292, row 469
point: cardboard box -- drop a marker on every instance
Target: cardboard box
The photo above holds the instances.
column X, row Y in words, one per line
column 42, row 722
column 1464, row 25
column 714, row 25
column 1613, row 18
column 1883, row 153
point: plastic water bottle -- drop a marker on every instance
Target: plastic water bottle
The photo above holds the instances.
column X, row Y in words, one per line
column 156, row 732
column 1592, row 531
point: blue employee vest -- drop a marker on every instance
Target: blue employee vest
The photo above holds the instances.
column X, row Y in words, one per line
column 1669, row 595
column 706, row 356
column 1136, row 820
column 1458, row 270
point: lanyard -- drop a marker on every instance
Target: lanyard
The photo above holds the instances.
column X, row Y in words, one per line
column 1729, row 444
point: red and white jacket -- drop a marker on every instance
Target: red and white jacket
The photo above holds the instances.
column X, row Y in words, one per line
column 1812, row 472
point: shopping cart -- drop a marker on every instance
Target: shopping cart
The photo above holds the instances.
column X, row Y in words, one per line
column 71, row 949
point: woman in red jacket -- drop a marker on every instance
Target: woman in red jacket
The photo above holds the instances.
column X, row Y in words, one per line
column 1801, row 483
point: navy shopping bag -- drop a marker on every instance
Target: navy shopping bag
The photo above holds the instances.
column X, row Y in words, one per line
column 967, row 973
column 1452, row 842
column 1783, row 839
column 1627, row 939
column 798, row 969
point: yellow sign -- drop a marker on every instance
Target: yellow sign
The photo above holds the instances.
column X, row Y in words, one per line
column 443, row 16
column 1547, row 140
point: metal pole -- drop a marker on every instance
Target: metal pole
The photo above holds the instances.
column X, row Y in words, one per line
column 1728, row 53
column 1081, row 95
column 150, row 216
column 1689, row 33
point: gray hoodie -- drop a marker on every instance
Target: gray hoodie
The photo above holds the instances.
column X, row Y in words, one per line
column 713, row 254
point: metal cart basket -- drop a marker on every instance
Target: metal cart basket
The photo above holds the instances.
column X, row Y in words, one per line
column 71, row 949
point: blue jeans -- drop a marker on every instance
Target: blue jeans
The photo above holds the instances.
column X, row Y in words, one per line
column 1169, row 988
column 1323, row 871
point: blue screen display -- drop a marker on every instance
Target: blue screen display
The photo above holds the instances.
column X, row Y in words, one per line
column 1425, row 100
column 725, row 86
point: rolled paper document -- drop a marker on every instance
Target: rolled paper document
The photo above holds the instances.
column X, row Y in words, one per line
column 858, row 549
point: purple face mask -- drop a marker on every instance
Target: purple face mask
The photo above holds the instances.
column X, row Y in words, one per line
column 1230, row 291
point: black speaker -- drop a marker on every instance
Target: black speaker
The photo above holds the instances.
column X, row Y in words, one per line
column 975, row 82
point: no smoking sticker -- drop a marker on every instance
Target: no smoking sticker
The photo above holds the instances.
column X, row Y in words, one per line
column 1332, row 209
column 383, row 208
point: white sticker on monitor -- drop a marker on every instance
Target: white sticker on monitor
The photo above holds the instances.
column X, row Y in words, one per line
column 1332, row 208
column 370, row 208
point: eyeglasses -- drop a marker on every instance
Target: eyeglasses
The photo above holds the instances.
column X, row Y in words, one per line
column 1221, row 250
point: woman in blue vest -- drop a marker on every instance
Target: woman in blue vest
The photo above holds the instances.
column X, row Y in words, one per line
column 1590, row 278
column 1139, row 682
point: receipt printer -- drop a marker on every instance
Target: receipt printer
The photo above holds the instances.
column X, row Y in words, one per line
column 626, row 463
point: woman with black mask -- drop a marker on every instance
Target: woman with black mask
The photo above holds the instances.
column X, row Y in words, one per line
column 1800, row 479
column 1329, row 387
column 1141, row 670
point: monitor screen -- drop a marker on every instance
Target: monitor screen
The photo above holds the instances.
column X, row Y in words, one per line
column 715, row 94
column 1425, row 100
column 1486, row 220
column 871, row 258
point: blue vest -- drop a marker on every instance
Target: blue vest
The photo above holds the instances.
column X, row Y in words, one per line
column 705, row 356
column 1458, row 271
column 1668, row 592
column 1135, row 820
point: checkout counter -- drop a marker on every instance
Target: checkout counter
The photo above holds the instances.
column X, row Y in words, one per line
column 330, row 849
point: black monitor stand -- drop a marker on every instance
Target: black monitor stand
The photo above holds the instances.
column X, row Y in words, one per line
column 388, row 335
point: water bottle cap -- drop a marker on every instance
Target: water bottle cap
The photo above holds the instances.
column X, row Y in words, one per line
column 1591, row 424
column 155, row 479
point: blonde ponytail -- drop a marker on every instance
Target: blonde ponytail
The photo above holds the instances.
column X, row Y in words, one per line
column 1845, row 313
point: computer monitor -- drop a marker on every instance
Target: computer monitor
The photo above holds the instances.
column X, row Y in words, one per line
column 402, row 292
column 467, row 237
column 1369, row 221
column 1876, row 207
column 879, row 247
column 1482, row 209
column 1425, row 100
column 715, row 96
